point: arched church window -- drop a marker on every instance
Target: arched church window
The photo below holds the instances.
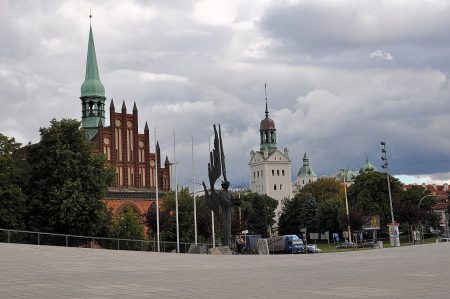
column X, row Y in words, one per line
column 107, row 148
column 118, row 138
column 91, row 104
column 141, row 151
column 99, row 108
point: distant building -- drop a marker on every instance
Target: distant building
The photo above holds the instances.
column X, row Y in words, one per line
column 270, row 169
column 126, row 150
column 305, row 175
column 349, row 175
column 367, row 166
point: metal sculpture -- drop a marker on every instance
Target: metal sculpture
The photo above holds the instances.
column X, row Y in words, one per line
column 219, row 201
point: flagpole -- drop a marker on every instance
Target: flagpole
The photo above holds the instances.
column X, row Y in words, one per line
column 176, row 194
column 157, row 195
column 193, row 192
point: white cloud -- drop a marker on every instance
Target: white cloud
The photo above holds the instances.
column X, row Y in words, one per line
column 163, row 77
column 381, row 54
column 438, row 179
column 215, row 12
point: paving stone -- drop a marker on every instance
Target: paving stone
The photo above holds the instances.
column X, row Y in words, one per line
column 29, row 271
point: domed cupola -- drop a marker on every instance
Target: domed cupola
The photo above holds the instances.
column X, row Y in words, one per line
column 368, row 166
column 306, row 170
column 267, row 131
column 267, row 123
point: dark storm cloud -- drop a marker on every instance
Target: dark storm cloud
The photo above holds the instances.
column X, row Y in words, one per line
column 345, row 33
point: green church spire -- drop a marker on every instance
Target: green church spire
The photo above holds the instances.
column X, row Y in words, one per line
column 92, row 93
column 92, row 85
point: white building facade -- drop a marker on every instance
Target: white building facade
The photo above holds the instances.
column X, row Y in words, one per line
column 270, row 169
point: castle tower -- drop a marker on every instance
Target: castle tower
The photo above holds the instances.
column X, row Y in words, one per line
column 305, row 174
column 270, row 169
column 92, row 93
column 268, row 133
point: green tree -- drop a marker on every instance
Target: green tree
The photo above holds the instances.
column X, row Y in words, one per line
column 369, row 195
column 324, row 189
column 258, row 212
column 67, row 182
column 167, row 218
column 128, row 225
column 407, row 208
column 12, row 200
column 329, row 213
column 297, row 213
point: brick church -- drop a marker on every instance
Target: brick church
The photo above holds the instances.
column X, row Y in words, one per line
column 138, row 170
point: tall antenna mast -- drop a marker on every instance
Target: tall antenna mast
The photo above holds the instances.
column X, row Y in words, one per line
column 265, row 91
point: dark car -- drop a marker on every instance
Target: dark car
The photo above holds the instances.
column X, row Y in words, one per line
column 443, row 240
column 346, row 245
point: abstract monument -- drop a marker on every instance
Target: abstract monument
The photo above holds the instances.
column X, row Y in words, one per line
column 219, row 201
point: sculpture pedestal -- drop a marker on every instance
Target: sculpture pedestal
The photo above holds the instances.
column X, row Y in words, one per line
column 221, row 250
column 198, row 249
column 263, row 247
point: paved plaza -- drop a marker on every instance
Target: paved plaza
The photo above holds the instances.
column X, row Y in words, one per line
column 29, row 271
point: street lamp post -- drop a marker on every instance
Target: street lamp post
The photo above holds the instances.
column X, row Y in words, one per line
column 176, row 194
column 346, row 207
column 157, row 197
column 393, row 230
column 193, row 193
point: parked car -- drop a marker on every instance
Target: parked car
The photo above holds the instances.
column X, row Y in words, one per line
column 346, row 245
column 366, row 244
column 442, row 240
column 312, row 248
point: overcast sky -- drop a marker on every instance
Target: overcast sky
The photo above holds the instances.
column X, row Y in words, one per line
column 341, row 76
